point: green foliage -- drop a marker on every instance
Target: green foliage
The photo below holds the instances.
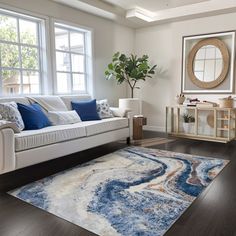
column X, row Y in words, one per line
column 9, row 53
column 130, row 69
column 188, row 118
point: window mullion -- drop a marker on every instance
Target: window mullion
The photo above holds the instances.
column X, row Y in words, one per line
column 1, row 80
column 20, row 56
column 40, row 58
column 85, row 63
column 70, row 56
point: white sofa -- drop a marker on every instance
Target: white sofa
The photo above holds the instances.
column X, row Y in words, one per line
column 18, row 150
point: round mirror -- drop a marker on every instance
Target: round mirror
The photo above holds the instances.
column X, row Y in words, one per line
column 208, row 63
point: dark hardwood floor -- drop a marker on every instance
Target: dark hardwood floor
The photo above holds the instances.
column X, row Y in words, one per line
column 213, row 213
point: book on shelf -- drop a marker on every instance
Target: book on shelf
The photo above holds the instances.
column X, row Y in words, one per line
column 206, row 104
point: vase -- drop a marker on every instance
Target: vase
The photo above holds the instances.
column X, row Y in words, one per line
column 189, row 127
column 132, row 104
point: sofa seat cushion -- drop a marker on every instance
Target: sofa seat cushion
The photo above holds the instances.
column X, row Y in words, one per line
column 102, row 126
column 36, row 138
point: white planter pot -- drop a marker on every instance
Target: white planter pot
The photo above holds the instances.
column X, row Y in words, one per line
column 133, row 104
column 189, row 127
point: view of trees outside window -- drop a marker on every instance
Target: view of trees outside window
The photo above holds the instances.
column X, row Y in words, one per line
column 19, row 55
column 70, row 59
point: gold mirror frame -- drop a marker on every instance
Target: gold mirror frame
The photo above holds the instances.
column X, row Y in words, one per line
column 225, row 56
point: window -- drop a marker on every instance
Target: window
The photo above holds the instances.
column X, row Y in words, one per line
column 20, row 53
column 71, row 58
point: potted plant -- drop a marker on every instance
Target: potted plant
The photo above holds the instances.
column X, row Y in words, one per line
column 130, row 69
column 189, row 123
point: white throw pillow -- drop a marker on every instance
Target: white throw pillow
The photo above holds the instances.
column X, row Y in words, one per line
column 9, row 112
column 119, row 112
column 103, row 109
column 63, row 117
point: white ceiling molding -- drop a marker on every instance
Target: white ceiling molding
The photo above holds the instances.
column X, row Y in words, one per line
column 184, row 12
column 99, row 8
column 139, row 17
column 141, row 14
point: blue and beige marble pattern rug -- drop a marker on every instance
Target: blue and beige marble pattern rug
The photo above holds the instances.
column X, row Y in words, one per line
column 133, row 191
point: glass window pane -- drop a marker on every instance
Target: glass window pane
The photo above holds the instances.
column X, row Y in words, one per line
column 63, row 82
column 28, row 32
column 8, row 28
column 29, row 58
column 11, row 82
column 61, row 39
column 31, row 82
column 77, row 42
column 78, row 82
column 9, row 55
column 63, row 61
column 77, row 63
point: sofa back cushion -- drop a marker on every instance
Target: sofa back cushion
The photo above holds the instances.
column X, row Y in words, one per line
column 33, row 116
column 49, row 103
column 63, row 117
column 87, row 110
column 22, row 100
column 67, row 99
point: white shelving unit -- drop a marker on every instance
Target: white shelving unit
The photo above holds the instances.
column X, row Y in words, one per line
column 211, row 124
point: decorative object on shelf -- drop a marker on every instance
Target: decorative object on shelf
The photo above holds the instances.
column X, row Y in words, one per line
column 188, row 118
column 188, row 124
column 210, row 119
column 206, row 104
column 197, row 103
column 226, row 102
column 180, row 99
column 130, row 69
column 208, row 63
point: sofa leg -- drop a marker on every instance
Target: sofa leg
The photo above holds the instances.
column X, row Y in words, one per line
column 128, row 141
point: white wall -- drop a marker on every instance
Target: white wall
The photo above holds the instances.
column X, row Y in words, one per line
column 163, row 43
column 108, row 38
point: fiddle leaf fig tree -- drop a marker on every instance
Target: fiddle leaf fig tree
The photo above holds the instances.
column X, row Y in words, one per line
column 129, row 69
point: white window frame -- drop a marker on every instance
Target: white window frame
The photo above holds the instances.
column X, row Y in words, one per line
column 88, row 65
column 41, row 47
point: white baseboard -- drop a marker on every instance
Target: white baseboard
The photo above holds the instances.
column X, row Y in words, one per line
column 154, row 128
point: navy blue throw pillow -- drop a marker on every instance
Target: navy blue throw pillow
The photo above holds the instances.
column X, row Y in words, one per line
column 87, row 110
column 33, row 116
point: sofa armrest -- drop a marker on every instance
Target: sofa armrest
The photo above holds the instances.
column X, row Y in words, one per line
column 7, row 150
column 7, row 124
column 119, row 112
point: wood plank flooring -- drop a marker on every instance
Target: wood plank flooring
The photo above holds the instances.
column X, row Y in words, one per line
column 212, row 214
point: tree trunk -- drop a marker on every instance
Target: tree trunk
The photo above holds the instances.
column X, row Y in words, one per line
column 132, row 92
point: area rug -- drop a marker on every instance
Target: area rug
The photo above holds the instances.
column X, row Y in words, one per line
column 133, row 191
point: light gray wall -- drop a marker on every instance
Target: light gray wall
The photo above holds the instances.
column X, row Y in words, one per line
column 163, row 43
column 108, row 37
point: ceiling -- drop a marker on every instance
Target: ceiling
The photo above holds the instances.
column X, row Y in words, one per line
column 141, row 13
column 151, row 5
